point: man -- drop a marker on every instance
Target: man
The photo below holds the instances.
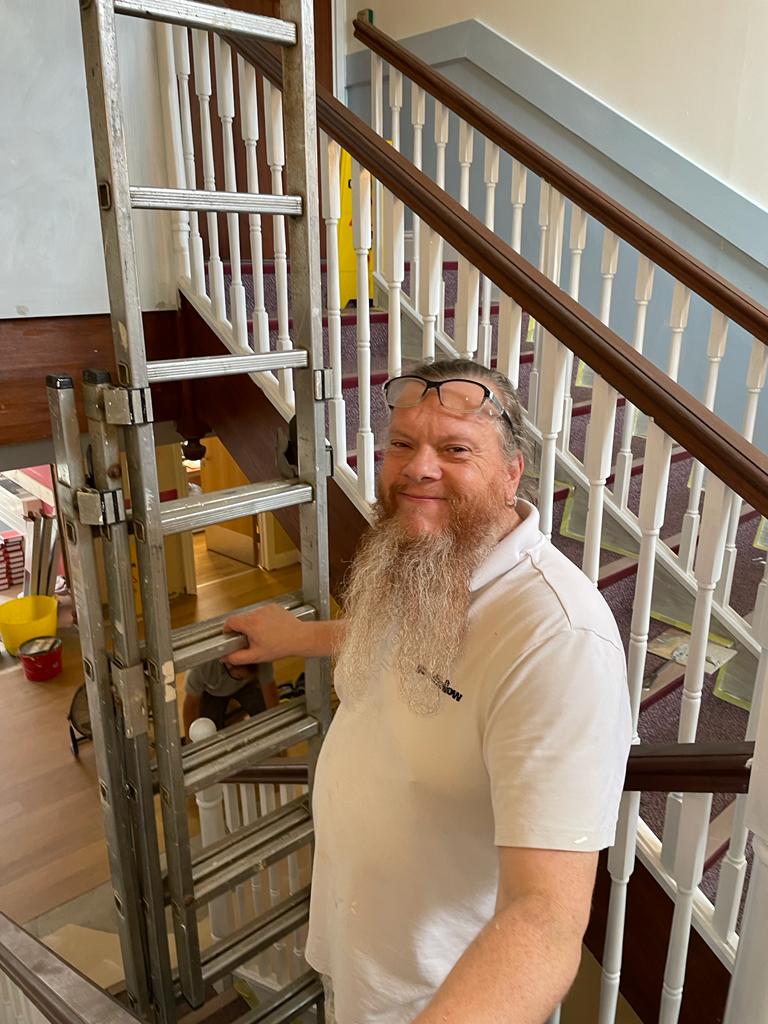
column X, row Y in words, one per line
column 475, row 764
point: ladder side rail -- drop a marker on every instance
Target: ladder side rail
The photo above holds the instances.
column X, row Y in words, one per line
column 302, row 179
column 129, row 684
column 110, row 157
column 69, row 477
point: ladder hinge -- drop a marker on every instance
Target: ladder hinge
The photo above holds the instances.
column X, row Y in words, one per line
column 323, row 384
column 131, row 692
column 125, row 407
column 100, row 508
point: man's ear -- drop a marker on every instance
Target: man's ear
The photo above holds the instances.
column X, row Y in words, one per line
column 515, row 467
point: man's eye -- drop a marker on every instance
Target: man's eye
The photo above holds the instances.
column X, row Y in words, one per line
column 457, row 449
column 398, row 444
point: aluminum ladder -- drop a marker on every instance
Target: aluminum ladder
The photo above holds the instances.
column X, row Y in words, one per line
column 130, row 674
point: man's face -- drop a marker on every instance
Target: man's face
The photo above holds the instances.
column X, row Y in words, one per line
column 439, row 462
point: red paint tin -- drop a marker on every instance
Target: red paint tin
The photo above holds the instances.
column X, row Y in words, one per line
column 41, row 658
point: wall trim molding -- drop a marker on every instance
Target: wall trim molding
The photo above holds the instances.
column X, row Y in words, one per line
column 653, row 163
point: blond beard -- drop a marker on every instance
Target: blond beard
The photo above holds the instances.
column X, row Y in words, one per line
column 407, row 600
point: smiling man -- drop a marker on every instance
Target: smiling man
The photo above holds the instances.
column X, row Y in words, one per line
column 475, row 764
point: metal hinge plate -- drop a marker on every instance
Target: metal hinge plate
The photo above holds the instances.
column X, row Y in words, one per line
column 131, row 692
column 100, row 508
column 126, row 407
column 323, row 384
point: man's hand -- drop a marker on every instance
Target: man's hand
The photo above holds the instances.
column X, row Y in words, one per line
column 273, row 633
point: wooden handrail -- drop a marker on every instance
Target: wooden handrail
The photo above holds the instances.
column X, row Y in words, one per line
column 736, row 304
column 708, row 438
column 651, row 768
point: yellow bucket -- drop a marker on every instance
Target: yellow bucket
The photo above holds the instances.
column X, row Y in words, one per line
column 24, row 618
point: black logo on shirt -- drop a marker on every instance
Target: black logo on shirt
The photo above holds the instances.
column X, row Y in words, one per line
column 441, row 684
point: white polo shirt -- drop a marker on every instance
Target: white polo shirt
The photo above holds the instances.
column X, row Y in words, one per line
column 528, row 748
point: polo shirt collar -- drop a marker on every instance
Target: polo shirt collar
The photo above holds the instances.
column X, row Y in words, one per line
column 510, row 549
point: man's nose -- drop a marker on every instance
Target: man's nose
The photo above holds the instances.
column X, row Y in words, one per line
column 423, row 464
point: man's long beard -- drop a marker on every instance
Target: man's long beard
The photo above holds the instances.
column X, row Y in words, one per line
column 407, row 599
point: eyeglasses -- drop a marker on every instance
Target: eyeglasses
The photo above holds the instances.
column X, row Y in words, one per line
column 457, row 395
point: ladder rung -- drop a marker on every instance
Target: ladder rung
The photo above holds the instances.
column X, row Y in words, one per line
column 220, row 19
column 203, row 641
column 160, row 370
column 221, row 866
column 262, row 736
column 213, row 202
column 219, row 506
column 222, row 957
column 289, row 1002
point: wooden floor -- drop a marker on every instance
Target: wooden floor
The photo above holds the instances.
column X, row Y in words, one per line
column 52, row 847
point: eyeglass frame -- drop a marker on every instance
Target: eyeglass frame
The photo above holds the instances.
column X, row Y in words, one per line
column 489, row 396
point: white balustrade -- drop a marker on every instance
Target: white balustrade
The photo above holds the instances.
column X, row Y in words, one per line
column 395, row 104
column 275, row 139
column 210, row 809
column 225, row 104
column 249, row 802
column 278, row 953
column 361, row 232
column 468, row 288
column 377, row 123
column 287, row 794
column 577, row 243
column 202, row 65
column 441, row 142
column 183, row 71
column 169, row 98
column 748, row 995
column 533, row 381
column 709, row 561
column 687, row 871
column 599, row 443
column 624, row 458
column 733, row 869
column 510, row 312
column 418, row 118
column 393, row 269
column 249, row 131
column 330, row 163
column 491, row 179
column 430, row 271
column 756, row 371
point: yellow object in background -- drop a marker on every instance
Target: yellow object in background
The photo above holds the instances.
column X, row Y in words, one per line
column 347, row 256
column 24, row 618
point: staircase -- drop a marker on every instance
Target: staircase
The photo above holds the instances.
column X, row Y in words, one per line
column 640, row 483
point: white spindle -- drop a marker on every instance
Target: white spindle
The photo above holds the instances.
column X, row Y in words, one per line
column 748, row 994
column 718, row 332
column 709, row 561
column 393, row 267
column 577, row 243
column 441, row 142
column 210, row 809
column 395, row 104
column 183, row 70
column 203, row 88
column 169, row 97
column 287, row 794
column 273, row 116
column 468, row 289
column 418, row 117
column 430, row 263
column 241, row 897
column 377, row 123
column 249, row 130
column 491, row 179
column 510, row 312
column 225, row 103
column 758, row 364
column 259, row 887
column 552, row 379
column 678, row 321
column 533, row 381
column 688, row 867
column 624, row 459
column 277, row 959
column 330, row 160
column 361, row 232
column 734, row 866
column 599, row 443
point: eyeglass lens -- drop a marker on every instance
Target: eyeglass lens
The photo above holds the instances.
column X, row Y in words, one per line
column 457, row 395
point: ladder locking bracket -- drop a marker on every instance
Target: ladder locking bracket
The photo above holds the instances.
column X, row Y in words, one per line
column 131, row 692
column 125, row 407
column 323, row 384
column 100, row 508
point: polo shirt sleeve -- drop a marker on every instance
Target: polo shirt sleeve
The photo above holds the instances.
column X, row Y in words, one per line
column 196, row 679
column 555, row 743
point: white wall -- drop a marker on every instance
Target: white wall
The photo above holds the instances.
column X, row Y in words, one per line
column 51, row 260
column 692, row 73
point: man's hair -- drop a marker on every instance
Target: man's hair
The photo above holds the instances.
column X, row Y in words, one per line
column 515, row 437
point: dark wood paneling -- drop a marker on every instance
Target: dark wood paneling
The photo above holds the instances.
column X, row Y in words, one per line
column 32, row 348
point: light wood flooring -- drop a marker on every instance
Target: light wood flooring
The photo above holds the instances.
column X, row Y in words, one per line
column 52, row 845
